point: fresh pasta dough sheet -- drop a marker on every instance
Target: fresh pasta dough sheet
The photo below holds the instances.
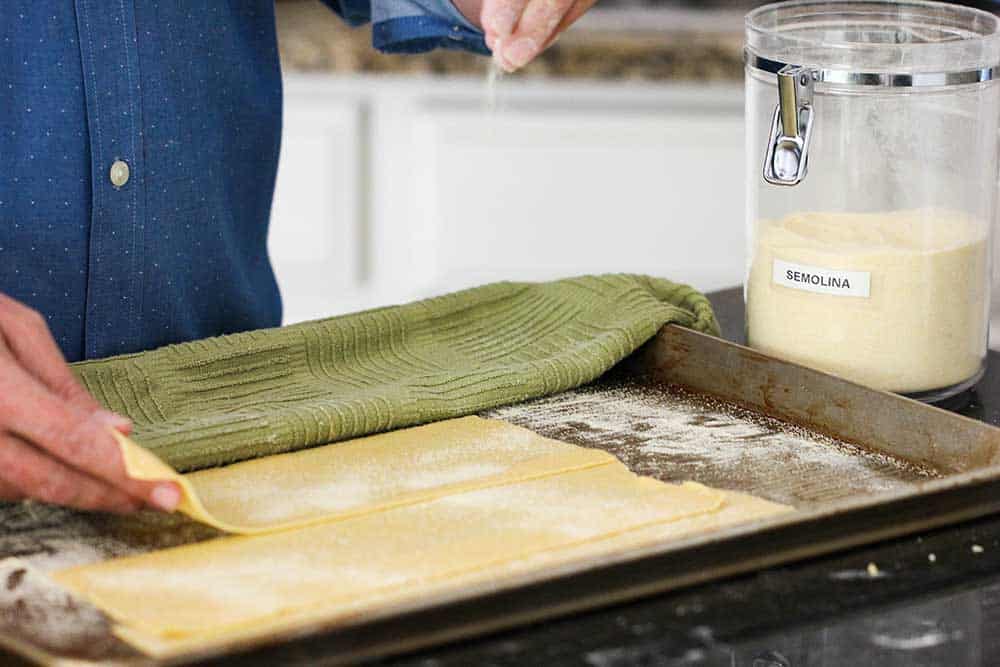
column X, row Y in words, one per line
column 350, row 530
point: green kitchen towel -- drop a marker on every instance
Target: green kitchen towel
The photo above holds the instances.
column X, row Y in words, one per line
column 219, row 400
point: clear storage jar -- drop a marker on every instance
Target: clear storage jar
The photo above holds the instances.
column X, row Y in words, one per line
column 872, row 189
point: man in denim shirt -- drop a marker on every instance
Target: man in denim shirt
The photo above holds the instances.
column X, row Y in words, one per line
column 138, row 146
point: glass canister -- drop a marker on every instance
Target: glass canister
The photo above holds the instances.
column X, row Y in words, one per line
column 872, row 190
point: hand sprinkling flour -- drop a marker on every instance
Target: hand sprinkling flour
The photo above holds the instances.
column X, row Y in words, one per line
column 518, row 30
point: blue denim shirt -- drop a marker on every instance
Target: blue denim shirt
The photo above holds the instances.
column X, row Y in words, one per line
column 188, row 95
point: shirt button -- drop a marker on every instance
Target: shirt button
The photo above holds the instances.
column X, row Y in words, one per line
column 119, row 173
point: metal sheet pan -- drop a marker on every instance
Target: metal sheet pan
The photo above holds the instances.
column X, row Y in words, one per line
column 859, row 465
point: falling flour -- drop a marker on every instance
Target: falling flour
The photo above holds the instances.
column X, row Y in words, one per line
column 896, row 301
column 494, row 74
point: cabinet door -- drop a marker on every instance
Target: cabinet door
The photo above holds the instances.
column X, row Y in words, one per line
column 315, row 238
column 557, row 186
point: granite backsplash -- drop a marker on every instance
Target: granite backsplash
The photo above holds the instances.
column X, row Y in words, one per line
column 619, row 44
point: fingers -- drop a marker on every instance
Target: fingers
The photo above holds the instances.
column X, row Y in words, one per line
column 73, row 437
column 55, row 443
column 29, row 340
column 518, row 30
column 31, row 474
column 498, row 18
column 579, row 8
column 535, row 28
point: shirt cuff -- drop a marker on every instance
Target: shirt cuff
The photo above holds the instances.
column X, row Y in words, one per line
column 416, row 26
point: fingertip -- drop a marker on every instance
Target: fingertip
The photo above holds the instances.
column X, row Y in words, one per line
column 498, row 57
column 165, row 496
column 520, row 52
column 506, row 66
column 118, row 422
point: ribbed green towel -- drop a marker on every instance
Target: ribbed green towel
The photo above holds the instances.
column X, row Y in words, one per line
column 219, row 400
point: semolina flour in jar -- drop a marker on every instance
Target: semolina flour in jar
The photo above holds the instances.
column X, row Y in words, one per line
column 896, row 301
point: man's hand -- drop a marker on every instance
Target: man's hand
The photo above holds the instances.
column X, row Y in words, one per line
column 518, row 30
column 55, row 442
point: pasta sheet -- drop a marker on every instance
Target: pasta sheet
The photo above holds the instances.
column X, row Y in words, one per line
column 384, row 524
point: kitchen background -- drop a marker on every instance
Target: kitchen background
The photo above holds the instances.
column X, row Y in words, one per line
column 621, row 149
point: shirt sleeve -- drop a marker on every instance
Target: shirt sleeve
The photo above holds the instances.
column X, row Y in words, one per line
column 412, row 26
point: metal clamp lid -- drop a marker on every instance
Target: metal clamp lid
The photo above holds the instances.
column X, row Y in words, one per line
column 787, row 158
column 843, row 77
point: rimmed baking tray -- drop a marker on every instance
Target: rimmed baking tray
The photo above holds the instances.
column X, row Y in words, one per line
column 859, row 465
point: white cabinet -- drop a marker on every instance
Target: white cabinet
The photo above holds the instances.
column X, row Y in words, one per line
column 392, row 189
column 536, row 195
column 316, row 221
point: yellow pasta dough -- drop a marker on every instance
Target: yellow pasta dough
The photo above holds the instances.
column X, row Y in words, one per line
column 363, row 475
column 424, row 514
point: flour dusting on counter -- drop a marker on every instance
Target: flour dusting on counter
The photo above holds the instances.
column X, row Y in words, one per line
column 40, row 612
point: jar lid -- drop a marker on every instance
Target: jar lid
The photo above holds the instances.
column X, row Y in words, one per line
column 876, row 43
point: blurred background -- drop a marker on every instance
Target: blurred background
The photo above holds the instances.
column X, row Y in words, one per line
column 621, row 149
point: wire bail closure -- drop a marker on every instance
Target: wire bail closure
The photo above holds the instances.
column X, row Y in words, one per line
column 787, row 159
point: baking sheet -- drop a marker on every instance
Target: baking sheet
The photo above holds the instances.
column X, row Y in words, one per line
column 675, row 434
column 764, row 427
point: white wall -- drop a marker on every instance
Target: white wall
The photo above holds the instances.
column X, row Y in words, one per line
column 391, row 189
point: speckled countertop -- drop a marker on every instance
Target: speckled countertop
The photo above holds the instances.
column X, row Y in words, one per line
column 618, row 44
